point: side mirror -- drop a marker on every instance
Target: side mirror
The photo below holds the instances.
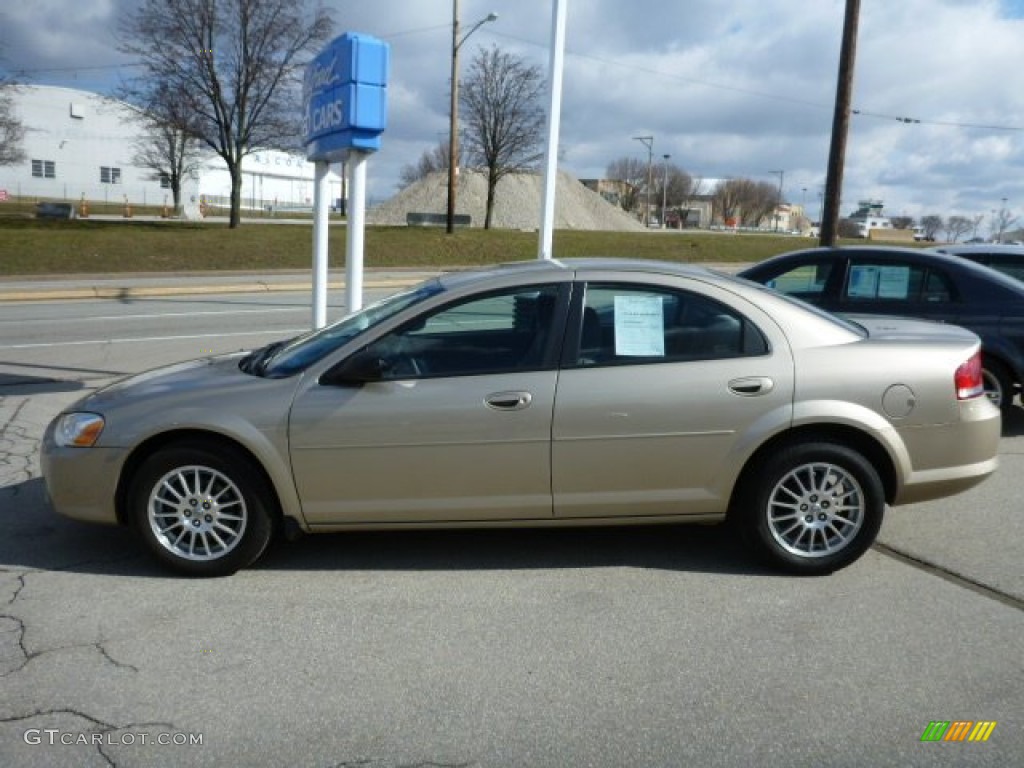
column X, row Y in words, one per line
column 355, row 370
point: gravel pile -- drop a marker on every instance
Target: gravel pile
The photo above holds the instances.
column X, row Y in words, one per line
column 516, row 203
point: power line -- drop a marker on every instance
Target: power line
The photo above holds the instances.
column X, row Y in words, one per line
column 764, row 95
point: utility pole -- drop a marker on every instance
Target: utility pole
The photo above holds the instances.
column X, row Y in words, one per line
column 840, row 125
column 664, row 192
column 453, row 111
column 647, row 141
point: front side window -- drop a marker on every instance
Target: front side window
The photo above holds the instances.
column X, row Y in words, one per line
column 806, row 281
column 288, row 358
column 630, row 324
column 502, row 332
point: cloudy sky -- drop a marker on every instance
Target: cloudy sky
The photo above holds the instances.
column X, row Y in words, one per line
column 726, row 87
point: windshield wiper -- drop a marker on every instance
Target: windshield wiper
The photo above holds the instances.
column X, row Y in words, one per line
column 256, row 362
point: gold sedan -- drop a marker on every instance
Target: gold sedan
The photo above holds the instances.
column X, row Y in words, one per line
column 575, row 392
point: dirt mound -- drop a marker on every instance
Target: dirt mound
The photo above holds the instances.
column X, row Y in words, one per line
column 516, row 203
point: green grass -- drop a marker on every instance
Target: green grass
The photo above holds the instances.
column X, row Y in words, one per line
column 31, row 247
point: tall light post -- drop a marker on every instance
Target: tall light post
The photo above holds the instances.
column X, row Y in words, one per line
column 647, row 141
column 778, row 204
column 664, row 192
column 453, row 122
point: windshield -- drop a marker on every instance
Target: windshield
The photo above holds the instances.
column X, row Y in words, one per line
column 299, row 353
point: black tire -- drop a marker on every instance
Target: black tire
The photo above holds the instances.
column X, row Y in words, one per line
column 788, row 511
column 998, row 384
column 201, row 510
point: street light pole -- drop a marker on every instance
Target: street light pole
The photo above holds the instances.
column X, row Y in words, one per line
column 453, row 116
column 647, row 141
column 664, row 192
column 778, row 203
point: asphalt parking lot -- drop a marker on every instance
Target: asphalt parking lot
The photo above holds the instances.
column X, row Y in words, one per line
column 638, row 647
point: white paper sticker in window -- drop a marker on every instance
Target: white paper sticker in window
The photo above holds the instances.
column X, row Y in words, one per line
column 893, row 282
column 639, row 326
column 863, row 282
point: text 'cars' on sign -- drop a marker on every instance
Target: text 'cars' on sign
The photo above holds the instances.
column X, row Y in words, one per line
column 345, row 97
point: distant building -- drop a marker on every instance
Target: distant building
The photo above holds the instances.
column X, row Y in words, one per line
column 870, row 217
column 81, row 145
column 612, row 190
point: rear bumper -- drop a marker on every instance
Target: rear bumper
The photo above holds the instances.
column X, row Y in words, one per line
column 951, row 458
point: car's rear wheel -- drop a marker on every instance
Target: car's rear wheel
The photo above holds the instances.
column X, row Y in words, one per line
column 202, row 512
column 998, row 384
column 812, row 508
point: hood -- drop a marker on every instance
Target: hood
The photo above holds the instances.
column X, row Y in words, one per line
column 189, row 376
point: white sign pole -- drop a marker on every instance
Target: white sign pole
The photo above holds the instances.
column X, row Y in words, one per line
column 321, row 206
column 547, row 214
column 356, row 228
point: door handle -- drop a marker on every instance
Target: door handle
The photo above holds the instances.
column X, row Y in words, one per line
column 508, row 401
column 751, row 386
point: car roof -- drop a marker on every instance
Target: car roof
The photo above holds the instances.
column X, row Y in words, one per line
column 923, row 255
column 989, row 248
column 547, row 268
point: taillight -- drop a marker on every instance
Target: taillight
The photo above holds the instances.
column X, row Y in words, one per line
column 967, row 379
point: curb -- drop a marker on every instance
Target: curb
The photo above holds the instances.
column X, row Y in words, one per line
column 129, row 292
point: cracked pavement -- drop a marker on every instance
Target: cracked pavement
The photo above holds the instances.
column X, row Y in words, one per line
column 505, row 648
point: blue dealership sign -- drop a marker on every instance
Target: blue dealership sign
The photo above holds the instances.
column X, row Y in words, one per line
column 345, row 97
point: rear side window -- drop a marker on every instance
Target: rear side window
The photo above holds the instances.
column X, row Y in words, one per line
column 896, row 282
column 622, row 325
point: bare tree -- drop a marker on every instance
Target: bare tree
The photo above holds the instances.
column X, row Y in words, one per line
column 761, row 203
column 168, row 146
column 726, row 201
column 745, row 201
column 956, row 227
column 235, row 62
column 1002, row 220
column 504, row 119
column 902, row 222
column 431, row 161
column 975, row 223
column 12, row 132
column 631, row 173
column 931, row 225
column 848, row 228
column 672, row 186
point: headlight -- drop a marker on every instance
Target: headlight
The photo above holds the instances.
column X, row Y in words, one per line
column 78, row 430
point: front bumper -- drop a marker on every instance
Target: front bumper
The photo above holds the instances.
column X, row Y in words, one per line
column 81, row 483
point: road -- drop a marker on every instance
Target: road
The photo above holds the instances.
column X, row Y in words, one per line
column 641, row 647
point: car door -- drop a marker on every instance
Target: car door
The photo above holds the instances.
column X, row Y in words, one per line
column 663, row 390
column 456, row 428
column 816, row 278
column 904, row 287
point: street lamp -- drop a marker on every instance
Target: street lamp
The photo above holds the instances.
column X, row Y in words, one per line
column 664, row 192
column 647, row 141
column 778, row 204
column 453, row 126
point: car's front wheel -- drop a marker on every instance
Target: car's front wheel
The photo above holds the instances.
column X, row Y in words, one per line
column 202, row 512
column 812, row 508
